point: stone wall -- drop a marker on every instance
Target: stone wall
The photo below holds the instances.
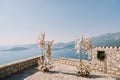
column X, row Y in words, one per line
column 70, row 62
column 111, row 63
column 95, row 66
column 11, row 68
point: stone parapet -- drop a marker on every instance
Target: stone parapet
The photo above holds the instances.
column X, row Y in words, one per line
column 95, row 67
column 108, row 47
column 11, row 68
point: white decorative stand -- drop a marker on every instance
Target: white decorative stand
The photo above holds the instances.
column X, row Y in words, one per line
column 45, row 60
column 83, row 46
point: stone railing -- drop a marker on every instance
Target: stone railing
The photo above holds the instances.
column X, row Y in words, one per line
column 70, row 62
column 92, row 66
column 11, row 68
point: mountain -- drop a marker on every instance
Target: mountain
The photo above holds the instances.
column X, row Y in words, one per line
column 16, row 49
column 58, row 46
column 109, row 39
column 25, row 47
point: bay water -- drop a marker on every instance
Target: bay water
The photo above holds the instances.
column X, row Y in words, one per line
column 11, row 56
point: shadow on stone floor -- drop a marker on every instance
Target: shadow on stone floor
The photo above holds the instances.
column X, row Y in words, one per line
column 95, row 76
column 101, row 76
column 69, row 73
column 30, row 71
column 53, row 72
column 56, row 72
column 75, row 74
column 117, row 78
column 22, row 74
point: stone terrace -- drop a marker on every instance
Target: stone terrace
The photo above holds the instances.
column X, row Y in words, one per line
column 59, row 72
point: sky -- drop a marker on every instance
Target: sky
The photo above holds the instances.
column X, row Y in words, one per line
column 21, row 21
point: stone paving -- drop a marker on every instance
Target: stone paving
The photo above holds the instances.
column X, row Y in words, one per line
column 59, row 72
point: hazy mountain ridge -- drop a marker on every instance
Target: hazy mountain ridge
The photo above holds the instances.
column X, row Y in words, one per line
column 25, row 47
column 16, row 49
column 109, row 39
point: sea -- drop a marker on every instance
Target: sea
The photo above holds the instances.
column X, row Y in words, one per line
column 11, row 56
